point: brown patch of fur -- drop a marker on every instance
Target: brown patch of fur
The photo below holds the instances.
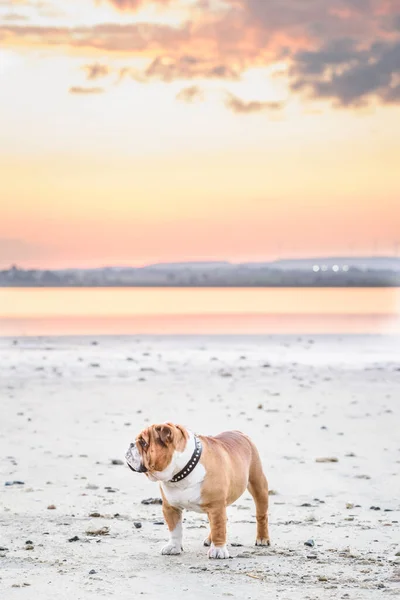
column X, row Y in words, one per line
column 160, row 443
column 232, row 464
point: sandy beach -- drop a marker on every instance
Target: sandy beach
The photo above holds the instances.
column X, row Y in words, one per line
column 70, row 406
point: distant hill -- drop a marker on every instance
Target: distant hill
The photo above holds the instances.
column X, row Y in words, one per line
column 308, row 272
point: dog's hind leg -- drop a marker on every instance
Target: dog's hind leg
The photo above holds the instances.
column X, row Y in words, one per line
column 258, row 488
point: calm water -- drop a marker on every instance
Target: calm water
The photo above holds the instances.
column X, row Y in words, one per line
column 59, row 311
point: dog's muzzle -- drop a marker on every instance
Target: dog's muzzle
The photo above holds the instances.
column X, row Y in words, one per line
column 133, row 460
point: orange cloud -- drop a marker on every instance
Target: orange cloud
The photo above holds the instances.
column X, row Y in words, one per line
column 190, row 94
column 85, row 90
column 241, row 107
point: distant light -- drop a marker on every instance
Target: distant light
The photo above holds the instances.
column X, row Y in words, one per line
column 335, row 268
column 315, row 268
column 345, row 268
column 324, row 268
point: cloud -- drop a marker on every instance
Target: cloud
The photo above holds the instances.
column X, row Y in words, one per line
column 85, row 90
column 134, row 5
column 190, row 95
column 167, row 69
column 133, row 38
column 243, row 107
column 338, row 50
column 349, row 76
column 15, row 17
column 96, row 71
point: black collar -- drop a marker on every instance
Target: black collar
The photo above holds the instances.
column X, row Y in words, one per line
column 189, row 467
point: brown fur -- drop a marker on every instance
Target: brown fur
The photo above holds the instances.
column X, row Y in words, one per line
column 160, row 443
column 233, row 464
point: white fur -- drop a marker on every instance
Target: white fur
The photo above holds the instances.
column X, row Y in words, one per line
column 218, row 552
column 174, row 545
column 133, row 458
column 186, row 493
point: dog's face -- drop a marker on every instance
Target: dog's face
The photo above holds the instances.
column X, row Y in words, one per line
column 153, row 451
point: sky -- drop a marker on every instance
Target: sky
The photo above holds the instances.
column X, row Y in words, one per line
column 137, row 131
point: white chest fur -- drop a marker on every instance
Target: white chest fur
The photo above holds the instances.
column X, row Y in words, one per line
column 186, row 494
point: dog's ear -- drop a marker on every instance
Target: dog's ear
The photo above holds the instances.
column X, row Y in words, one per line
column 165, row 433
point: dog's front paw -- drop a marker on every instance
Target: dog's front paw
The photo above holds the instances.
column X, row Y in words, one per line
column 218, row 552
column 172, row 549
column 263, row 542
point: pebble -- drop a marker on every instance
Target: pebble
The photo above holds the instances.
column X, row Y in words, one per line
column 327, row 459
column 51, row 507
column 137, row 525
column 310, row 543
column 92, row 572
column 374, row 508
column 10, row 483
column 117, row 461
column 74, row 539
column 95, row 515
column 158, row 523
column 152, row 501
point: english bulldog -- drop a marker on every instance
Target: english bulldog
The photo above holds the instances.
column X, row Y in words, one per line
column 204, row 474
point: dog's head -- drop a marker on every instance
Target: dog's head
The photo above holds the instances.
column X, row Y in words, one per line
column 154, row 449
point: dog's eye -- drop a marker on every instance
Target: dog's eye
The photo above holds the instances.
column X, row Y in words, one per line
column 143, row 443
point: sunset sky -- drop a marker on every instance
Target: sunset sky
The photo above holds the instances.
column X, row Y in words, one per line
column 136, row 131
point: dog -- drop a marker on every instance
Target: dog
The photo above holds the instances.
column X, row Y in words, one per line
column 203, row 474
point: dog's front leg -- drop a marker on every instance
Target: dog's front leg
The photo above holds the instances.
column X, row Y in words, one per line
column 173, row 517
column 217, row 518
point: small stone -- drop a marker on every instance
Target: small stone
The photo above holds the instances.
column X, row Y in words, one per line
column 272, row 493
column 327, row 459
column 117, row 461
column 374, row 508
column 74, row 539
column 148, row 501
column 51, row 507
column 310, row 543
column 29, row 546
column 10, row 483
column 349, row 505
column 260, row 406
column 322, row 578
column 92, row 572
column 95, row 515
column 311, row 556
column 137, row 525
column 158, row 522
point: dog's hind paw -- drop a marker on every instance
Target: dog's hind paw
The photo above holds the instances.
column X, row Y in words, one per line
column 263, row 542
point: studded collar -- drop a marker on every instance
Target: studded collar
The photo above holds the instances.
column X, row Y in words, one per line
column 189, row 467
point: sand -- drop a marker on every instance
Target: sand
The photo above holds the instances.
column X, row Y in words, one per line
column 70, row 406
